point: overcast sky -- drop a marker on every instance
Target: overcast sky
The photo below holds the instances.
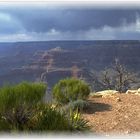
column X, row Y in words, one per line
column 44, row 23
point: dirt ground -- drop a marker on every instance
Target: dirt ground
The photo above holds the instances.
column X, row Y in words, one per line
column 119, row 114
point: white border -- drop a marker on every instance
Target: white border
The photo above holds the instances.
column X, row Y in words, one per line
column 74, row 3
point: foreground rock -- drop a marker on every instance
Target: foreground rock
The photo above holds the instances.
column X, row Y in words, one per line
column 133, row 91
column 106, row 116
column 105, row 93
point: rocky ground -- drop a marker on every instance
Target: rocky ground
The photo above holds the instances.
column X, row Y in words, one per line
column 117, row 114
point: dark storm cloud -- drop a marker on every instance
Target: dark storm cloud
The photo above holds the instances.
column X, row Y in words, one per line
column 43, row 20
column 73, row 20
column 44, row 23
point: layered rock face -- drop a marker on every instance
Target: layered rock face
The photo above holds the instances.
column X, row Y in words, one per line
column 55, row 60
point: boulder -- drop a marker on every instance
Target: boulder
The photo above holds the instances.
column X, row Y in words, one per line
column 131, row 91
column 138, row 92
column 107, row 93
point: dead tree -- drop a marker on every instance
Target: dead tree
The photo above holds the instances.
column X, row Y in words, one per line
column 117, row 77
column 106, row 79
column 123, row 78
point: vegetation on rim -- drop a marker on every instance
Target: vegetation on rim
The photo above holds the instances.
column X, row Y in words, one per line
column 22, row 109
column 70, row 89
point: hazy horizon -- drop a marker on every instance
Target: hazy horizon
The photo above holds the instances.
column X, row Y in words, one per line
column 66, row 41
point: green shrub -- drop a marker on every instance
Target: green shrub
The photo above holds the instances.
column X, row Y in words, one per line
column 77, row 123
column 79, row 104
column 49, row 119
column 70, row 89
column 22, row 109
column 21, row 94
column 17, row 103
column 4, row 125
column 43, row 118
column 17, row 118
